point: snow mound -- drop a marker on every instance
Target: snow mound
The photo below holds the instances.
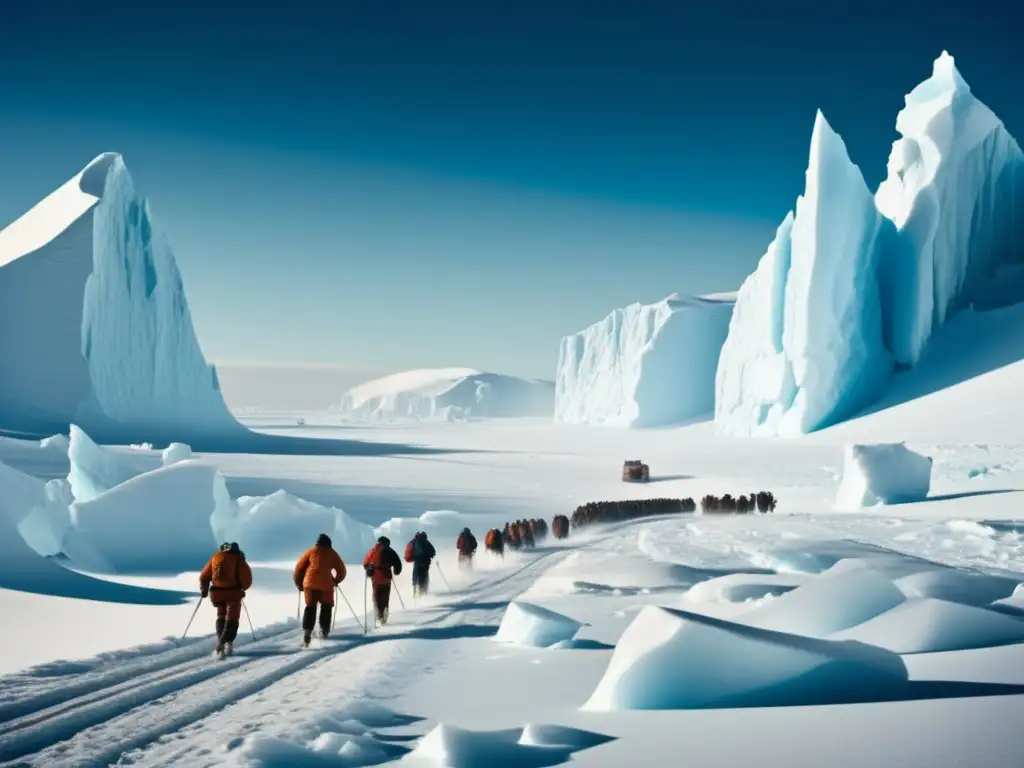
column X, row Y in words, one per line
column 741, row 587
column 280, row 525
column 954, row 189
column 536, row 627
column 957, row 586
column 925, row 625
column 176, row 452
column 32, row 513
column 805, row 346
column 828, row 603
column 166, row 520
column 447, row 394
column 94, row 469
column 672, row 659
column 644, row 365
column 122, row 359
column 885, row 473
column 58, row 442
column 437, row 523
column 615, row 573
column 38, row 510
column 535, row 746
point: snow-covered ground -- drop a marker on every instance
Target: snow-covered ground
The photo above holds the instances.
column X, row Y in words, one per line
column 897, row 632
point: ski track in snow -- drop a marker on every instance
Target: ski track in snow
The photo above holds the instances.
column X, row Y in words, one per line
column 96, row 720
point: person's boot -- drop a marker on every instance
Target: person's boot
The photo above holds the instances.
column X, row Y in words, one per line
column 325, row 621
column 228, row 638
column 308, row 622
column 306, row 638
column 219, row 626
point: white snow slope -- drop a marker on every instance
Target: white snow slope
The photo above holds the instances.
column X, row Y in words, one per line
column 447, row 394
column 843, row 292
column 858, row 588
column 117, row 353
column 643, row 365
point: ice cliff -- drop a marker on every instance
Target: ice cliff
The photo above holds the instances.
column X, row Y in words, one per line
column 853, row 285
column 805, row 345
column 643, row 365
column 115, row 350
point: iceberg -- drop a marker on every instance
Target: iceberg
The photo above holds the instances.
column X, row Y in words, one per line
column 805, row 347
column 954, row 190
column 447, row 394
column 117, row 354
column 885, row 473
column 644, row 365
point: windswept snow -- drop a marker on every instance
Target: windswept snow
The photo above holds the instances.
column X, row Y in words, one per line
column 446, row 394
column 883, row 474
column 117, row 353
column 166, row 520
column 535, row 626
column 644, row 365
column 805, row 346
column 672, row 659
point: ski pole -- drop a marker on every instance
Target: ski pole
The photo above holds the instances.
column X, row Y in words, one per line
column 443, row 578
column 366, row 587
column 400, row 600
column 193, row 618
column 350, row 608
column 249, row 619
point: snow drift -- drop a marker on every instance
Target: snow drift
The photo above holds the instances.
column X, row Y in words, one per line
column 925, row 625
column 805, row 345
column 644, row 365
column 672, row 659
column 447, row 394
column 32, row 515
column 119, row 353
column 166, row 520
column 854, row 284
column 828, row 603
column 888, row 473
column 280, row 526
column 534, row 746
column 531, row 625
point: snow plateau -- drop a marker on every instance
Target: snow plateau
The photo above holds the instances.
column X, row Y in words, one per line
column 643, row 365
column 447, row 394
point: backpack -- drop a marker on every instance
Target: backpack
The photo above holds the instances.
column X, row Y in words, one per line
column 409, row 551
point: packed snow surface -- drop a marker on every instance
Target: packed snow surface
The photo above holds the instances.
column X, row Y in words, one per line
column 121, row 356
column 672, row 659
column 445, row 394
column 882, row 474
column 535, row 626
column 278, row 526
column 167, row 519
column 805, row 346
column 644, row 365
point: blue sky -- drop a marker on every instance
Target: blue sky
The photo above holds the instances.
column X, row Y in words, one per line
column 409, row 184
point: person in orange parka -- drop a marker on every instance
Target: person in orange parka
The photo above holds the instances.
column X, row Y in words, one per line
column 466, row 546
column 225, row 579
column 318, row 572
column 378, row 564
